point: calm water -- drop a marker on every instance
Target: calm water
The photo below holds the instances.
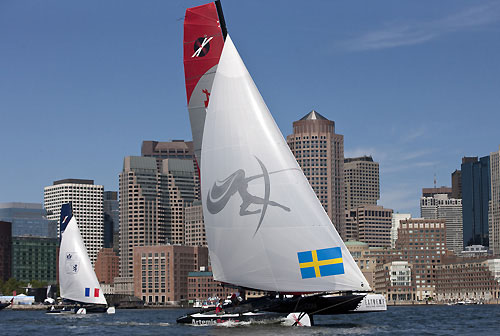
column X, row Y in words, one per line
column 421, row 320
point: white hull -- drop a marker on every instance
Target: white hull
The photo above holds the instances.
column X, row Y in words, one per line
column 372, row 303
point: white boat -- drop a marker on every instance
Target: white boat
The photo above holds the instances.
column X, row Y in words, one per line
column 266, row 229
column 79, row 287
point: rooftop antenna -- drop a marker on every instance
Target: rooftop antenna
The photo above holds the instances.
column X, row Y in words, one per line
column 435, row 182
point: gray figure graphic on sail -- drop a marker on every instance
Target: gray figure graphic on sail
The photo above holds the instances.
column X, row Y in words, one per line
column 237, row 182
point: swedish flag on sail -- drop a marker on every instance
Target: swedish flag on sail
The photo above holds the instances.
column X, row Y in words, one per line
column 320, row 263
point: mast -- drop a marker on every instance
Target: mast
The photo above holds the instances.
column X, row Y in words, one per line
column 221, row 18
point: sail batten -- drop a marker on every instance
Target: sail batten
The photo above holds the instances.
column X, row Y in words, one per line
column 266, row 229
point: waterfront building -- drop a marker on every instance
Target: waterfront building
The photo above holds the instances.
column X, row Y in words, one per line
column 395, row 224
column 494, row 209
column 456, row 184
column 394, row 280
column 194, row 225
column 365, row 260
column 201, row 285
column 111, row 210
column 320, row 153
column 5, row 250
column 362, row 182
column 370, row 224
column 422, row 242
column 107, row 266
column 87, row 202
column 124, row 286
column 475, row 200
column 34, row 258
column 161, row 272
column 28, row 219
column 449, row 209
column 476, row 280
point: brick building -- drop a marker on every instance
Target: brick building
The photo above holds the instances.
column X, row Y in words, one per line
column 161, row 272
column 395, row 281
column 422, row 242
column 474, row 279
column 201, row 285
column 107, row 265
column 370, row 224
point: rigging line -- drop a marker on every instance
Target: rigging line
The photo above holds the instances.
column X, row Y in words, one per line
column 337, row 304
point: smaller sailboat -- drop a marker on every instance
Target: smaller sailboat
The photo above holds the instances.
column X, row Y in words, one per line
column 78, row 282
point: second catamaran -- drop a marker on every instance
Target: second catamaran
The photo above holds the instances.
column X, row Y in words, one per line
column 78, row 282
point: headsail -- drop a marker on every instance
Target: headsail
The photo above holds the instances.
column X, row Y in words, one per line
column 266, row 229
column 77, row 278
column 204, row 34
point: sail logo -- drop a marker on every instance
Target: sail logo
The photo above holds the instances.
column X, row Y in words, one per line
column 87, row 292
column 72, row 263
column 205, row 91
column 237, row 183
column 320, row 263
column 201, row 46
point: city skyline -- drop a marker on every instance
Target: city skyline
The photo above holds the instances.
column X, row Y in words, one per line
column 404, row 83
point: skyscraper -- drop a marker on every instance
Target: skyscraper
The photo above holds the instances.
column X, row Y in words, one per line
column 320, row 153
column 494, row 230
column 440, row 206
column 140, row 209
column 87, row 202
column 475, row 200
column 362, row 183
column 152, row 203
column 369, row 224
column 160, row 150
column 180, row 182
column 456, row 184
column 195, row 234
column 111, row 219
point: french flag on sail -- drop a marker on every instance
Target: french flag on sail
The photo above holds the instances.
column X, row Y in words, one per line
column 96, row 292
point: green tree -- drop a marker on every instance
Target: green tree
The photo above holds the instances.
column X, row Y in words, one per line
column 13, row 285
column 38, row 284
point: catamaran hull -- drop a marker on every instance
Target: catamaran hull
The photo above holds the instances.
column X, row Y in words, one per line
column 214, row 319
column 62, row 310
column 271, row 308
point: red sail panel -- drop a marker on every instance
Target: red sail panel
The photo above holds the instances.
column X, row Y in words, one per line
column 203, row 42
column 204, row 34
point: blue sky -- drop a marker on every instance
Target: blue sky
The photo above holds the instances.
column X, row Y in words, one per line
column 415, row 84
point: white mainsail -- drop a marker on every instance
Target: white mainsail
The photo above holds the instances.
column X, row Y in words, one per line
column 266, row 229
column 77, row 278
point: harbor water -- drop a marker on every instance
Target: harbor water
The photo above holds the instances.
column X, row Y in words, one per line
column 408, row 320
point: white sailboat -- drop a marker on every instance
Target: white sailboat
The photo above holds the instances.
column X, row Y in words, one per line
column 77, row 280
column 266, row 229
